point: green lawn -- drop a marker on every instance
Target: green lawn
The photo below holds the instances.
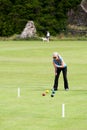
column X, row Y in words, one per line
column 28, row 65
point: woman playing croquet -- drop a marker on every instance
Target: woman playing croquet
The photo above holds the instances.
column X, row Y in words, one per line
column 59, row 65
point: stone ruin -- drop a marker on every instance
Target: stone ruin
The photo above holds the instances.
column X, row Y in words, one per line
column 77, row 21
column 29, row 30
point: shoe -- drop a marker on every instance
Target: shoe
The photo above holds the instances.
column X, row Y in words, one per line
column 66, row 89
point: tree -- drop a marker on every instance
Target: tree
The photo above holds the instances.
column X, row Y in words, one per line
column 47, row 15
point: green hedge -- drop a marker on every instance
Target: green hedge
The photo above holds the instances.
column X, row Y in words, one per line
column 47, row 15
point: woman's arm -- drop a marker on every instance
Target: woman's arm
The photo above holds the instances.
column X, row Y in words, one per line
column 55, row 67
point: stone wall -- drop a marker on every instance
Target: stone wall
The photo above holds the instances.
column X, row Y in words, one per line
column 77, row 21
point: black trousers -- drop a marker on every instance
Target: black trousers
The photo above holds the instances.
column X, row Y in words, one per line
column 56, row 80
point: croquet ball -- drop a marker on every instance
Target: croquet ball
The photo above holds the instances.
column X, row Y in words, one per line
column 52, row 95
column 43, row 94
column 47, row 91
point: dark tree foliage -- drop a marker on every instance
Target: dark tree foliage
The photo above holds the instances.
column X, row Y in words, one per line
column 47, row 15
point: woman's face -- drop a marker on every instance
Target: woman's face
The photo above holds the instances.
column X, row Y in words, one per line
column 56, row 57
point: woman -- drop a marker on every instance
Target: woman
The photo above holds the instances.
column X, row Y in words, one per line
column 59, row 65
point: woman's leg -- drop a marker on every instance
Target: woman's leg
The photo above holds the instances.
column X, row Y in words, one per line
column 56, row 80
column 64, row 70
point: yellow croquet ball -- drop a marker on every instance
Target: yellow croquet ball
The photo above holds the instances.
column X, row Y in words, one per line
column 47, row 91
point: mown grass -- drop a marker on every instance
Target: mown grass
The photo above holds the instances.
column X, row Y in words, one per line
column 28, row 65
